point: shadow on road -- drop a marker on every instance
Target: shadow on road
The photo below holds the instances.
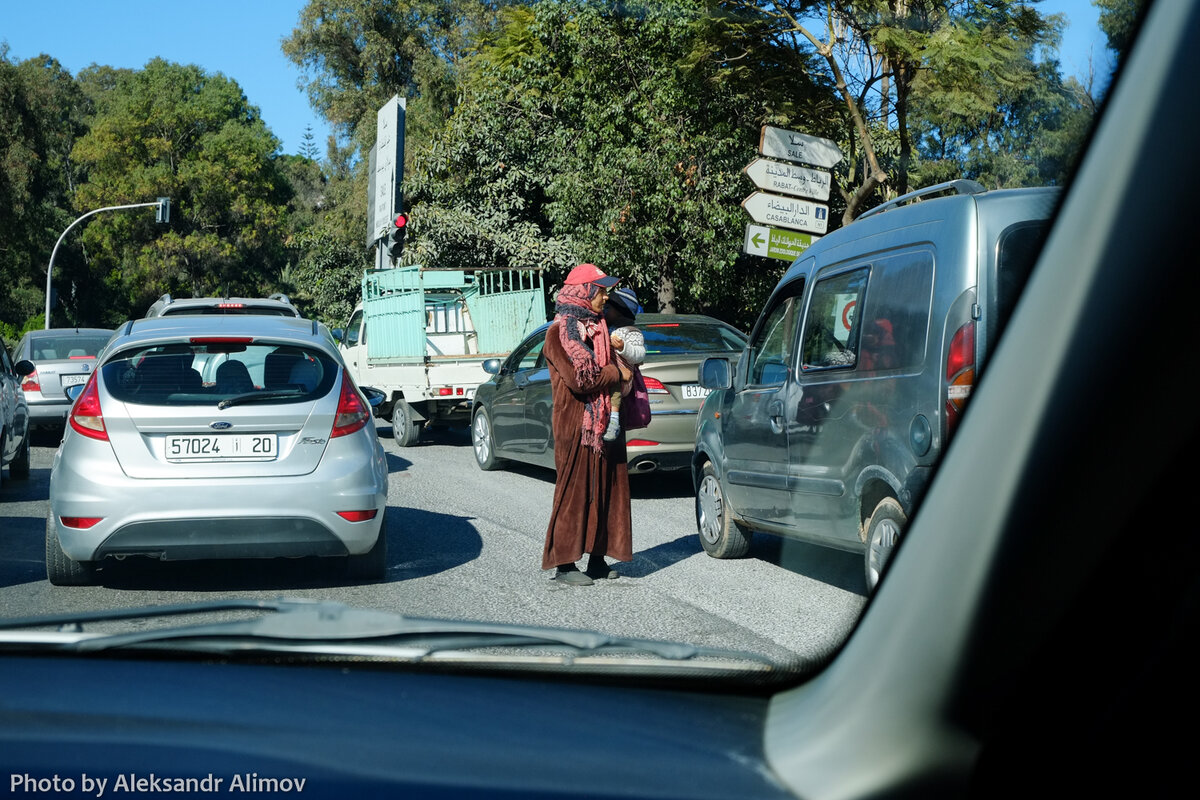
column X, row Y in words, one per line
column 420, row 543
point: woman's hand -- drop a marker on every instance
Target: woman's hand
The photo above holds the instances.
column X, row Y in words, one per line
column 626, row 372
column 617, row 342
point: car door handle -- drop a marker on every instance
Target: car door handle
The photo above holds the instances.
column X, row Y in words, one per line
column 775, row 413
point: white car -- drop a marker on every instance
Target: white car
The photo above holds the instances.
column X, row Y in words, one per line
column 217, row 437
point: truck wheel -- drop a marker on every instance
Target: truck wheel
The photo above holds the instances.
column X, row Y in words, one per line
column 61, row 569
column 883, row 534
column 483, row 442
column 405, row 430
column 720, row 536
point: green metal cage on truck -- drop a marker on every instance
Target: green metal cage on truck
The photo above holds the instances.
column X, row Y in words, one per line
column 421, row 336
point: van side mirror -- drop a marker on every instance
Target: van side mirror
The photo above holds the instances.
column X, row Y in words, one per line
column 715, row 373
column 338, row 334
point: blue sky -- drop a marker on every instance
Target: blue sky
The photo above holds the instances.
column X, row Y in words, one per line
column 241, row 39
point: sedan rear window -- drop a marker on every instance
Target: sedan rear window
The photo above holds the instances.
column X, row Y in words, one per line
column 50, row 348
column 218, row 372
column 676, row 338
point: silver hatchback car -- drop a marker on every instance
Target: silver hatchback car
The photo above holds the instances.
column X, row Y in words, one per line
column 217, row 437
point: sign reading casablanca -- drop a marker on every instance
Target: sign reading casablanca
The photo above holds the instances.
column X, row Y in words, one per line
column 787, row 212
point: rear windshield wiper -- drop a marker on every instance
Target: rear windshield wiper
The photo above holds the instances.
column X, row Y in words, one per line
column 298, row 625
column 259, row 397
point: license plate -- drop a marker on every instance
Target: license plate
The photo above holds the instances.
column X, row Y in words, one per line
column 206, row 447
column 73, row 380
column 694, row 391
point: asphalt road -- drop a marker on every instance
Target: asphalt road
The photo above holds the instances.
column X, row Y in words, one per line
column 466, row 544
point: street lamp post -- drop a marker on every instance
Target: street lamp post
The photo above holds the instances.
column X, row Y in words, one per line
column 163, row 205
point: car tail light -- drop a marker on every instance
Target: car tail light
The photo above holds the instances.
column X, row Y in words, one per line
column 960, row 373
column 231, row 305
column 221, row 340
column 86, row 417
column 358, row 516
column 79, row 522
column 76, row 358
column 654, row 386
column 641, row 443
column 31, row 382
column 352, row 414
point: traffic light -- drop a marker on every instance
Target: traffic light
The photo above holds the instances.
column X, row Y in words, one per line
column 163, row 212
column 396, row 237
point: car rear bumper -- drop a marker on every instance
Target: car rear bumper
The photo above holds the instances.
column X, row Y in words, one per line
column 48, row 413
column 194, row 518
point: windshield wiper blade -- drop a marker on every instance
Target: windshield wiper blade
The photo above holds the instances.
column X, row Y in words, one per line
column 260, row 397
column 329, row 624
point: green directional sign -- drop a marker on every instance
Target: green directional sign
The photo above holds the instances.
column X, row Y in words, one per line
column 763, row 240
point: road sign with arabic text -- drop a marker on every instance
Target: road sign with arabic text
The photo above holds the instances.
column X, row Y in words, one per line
column 768, row 242
column 797, row 146
column 782, row 178
column 787, row 212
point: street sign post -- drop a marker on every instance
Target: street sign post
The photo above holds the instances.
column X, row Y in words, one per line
column 389, row 165
column 776, row 176
column 768, row 242
column 797, row 146
column 787, row 212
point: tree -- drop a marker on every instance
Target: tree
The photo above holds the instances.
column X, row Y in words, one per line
column 308, row 145
column 877, row 53
column 617, row 136
column 176, row 131
column 1119, row 20
column 39, row 121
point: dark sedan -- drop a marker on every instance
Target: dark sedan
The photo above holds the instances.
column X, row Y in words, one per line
column 511, row 411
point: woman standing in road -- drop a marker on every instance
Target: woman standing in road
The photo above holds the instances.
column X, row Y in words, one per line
column 591, row 493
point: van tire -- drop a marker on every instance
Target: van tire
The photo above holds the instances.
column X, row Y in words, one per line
column 720, row 535
column 405, row 429
column 61, row 569
column 884, row 529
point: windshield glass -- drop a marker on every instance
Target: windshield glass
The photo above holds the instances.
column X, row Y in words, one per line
column 777, row 245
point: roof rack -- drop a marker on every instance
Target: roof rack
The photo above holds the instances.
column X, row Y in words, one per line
column 961, row 186
column 283, row 298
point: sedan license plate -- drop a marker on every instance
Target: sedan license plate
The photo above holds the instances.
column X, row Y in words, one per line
column 694, row 391
column 204, row 446
column 73, row 380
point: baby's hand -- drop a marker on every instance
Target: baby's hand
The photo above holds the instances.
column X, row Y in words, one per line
column 617, row 342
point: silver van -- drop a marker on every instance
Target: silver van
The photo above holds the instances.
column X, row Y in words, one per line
column 828, row 426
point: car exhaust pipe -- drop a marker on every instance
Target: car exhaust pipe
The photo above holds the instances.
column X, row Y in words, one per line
column 642, row 467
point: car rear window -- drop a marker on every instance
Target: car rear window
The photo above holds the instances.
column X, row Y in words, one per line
column 49, row 348
column 207, row 373
column 676, row 338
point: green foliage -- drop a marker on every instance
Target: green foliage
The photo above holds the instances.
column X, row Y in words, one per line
column 326, row 278
column 39, row 120
column 1119, row 20
column 176, row 131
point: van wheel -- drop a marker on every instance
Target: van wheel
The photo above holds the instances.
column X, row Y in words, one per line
column 61, row 569
column 720, row 536
column 483, row 442
column 405, row 430
column 883, row 534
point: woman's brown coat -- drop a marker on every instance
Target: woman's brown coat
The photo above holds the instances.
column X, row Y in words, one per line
column 591, row 493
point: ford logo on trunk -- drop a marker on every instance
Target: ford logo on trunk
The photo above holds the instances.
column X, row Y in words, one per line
column 220, row 426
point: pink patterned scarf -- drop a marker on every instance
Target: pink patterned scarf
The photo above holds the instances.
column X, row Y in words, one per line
column 584, row 337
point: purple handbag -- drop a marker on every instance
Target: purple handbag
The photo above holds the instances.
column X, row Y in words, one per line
column 635, row 407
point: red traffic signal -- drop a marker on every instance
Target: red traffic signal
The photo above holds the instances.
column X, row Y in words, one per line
column 396, row 237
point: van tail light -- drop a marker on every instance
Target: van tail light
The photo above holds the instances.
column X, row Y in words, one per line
column 31, row 382
column 352, row 414
column 960, row 374
column 654, row 386
column 86, row 417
